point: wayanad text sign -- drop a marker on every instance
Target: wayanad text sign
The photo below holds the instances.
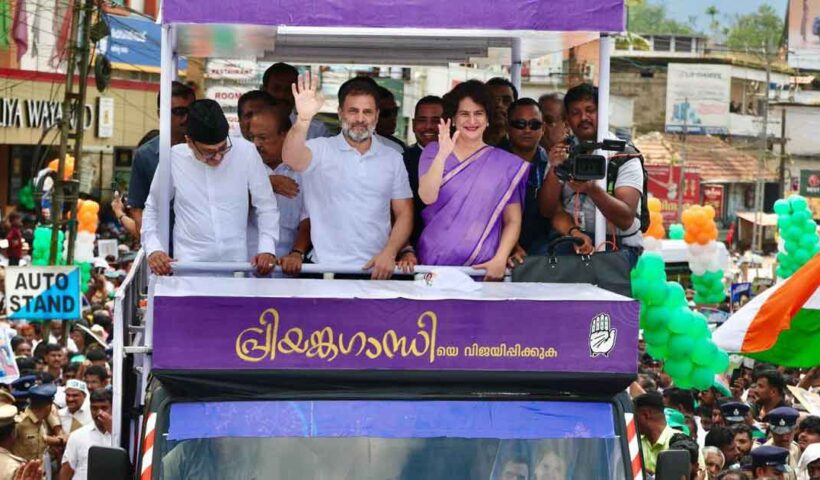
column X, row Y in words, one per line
column 43, row 293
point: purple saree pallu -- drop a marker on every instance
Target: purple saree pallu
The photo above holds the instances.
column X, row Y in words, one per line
column 463, row 227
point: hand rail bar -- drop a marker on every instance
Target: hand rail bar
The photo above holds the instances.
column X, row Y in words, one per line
column 308, row 268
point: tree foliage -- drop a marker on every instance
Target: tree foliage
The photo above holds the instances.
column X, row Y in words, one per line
column 754, row 31
column 652, row 18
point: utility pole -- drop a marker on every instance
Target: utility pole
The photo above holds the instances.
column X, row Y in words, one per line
column 757, row 230
column 71, row 128
column 781, row 172
column 682, row 180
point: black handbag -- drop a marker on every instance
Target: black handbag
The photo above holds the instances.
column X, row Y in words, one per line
column 607, row 270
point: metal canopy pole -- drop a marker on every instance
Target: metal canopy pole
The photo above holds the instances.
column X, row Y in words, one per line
column 605, row 45
column 515, row 67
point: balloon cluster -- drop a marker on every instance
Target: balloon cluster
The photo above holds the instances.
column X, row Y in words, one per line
column 68, row 172
column 676, row 231
column 700, row 235
column 672, row 332
column 799, row 232
column 87, row 220
column 41, row 246
column 25, row 196
column 655, row 233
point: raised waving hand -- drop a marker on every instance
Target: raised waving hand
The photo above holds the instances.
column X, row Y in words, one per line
column 446, row 143
column 308, row 98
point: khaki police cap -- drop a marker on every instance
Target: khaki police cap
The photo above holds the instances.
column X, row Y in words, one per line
column 7, row 414
column 6, row 398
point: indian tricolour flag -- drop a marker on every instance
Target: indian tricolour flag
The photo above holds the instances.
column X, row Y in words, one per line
column 781, row 325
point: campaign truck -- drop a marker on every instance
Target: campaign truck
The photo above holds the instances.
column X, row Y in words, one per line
column 341, row 379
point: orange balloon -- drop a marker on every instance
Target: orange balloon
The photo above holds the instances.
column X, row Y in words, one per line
column 654, row 205
column 689, row 238
column 54, row 165
column 704, row 238
column 710, row 212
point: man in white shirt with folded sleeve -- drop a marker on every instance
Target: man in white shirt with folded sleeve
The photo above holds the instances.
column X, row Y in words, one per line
column 352, row 182
column 211, row 178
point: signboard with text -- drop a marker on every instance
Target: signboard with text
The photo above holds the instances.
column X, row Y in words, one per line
column 664, row 183
column 134, row 44
column 697, row 98
column 803, row 25
column 810, row 183
column 318, row 329
column 714, row 195
column 43, row 293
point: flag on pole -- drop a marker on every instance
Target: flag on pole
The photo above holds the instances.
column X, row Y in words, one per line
column 19, row 29
column 781, row 325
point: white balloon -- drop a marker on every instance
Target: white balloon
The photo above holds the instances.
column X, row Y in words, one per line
column 696, row 249
column 651, row 244
column 713, row 264
column 697, row 268
column 711, row 247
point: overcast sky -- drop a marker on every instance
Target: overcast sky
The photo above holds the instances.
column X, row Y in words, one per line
column 682, row 9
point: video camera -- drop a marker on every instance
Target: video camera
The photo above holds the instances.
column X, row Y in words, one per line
column 581, row 164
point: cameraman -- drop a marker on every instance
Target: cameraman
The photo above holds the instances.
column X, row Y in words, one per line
column 580, row 199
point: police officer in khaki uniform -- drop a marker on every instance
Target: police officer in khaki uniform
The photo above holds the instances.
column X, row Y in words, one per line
column 8, row 463
column 782, row 424
column 35, row 433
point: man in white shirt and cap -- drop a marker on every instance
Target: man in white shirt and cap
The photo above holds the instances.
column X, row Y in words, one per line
column 77, row 412
column 211, row 177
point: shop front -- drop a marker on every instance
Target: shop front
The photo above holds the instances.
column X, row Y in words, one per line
column 30, row 111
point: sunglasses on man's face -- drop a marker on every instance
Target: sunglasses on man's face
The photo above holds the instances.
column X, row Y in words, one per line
column 523, row 124
column 180, row 111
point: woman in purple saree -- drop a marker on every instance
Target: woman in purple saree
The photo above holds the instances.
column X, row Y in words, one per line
column 473, row 192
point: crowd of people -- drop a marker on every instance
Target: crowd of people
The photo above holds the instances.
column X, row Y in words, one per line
column 61, row 404
column 478, row 188
column 746, row 427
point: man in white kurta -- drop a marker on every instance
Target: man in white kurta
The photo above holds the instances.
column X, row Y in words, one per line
column 213, row 181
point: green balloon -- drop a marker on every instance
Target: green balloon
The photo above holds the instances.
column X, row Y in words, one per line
column 703, row 353
column 679, row 321
column 658, row 352
column 782, row 207
column 720, row 361
column 656, row 293
column 651, row 265
column 680, row 346
column 656, row 317
column 656, row 338
column 639, row 288
column 793, row 232
column 808, row 240
column 683, row 382
column 676, row 231
column 675, row 295
column 701, row 330
column 678, row 368
column 798, row 203
column 702, row 377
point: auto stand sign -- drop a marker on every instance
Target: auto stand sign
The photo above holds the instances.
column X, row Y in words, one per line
column 43, row 293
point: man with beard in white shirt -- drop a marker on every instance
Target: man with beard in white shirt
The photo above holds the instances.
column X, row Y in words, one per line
column 353, row 183
column 211, row 177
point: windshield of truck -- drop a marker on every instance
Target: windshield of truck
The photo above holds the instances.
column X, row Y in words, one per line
column 386, row 440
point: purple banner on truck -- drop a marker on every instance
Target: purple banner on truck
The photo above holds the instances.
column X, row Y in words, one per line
column 566, row 15
column 212, row 332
